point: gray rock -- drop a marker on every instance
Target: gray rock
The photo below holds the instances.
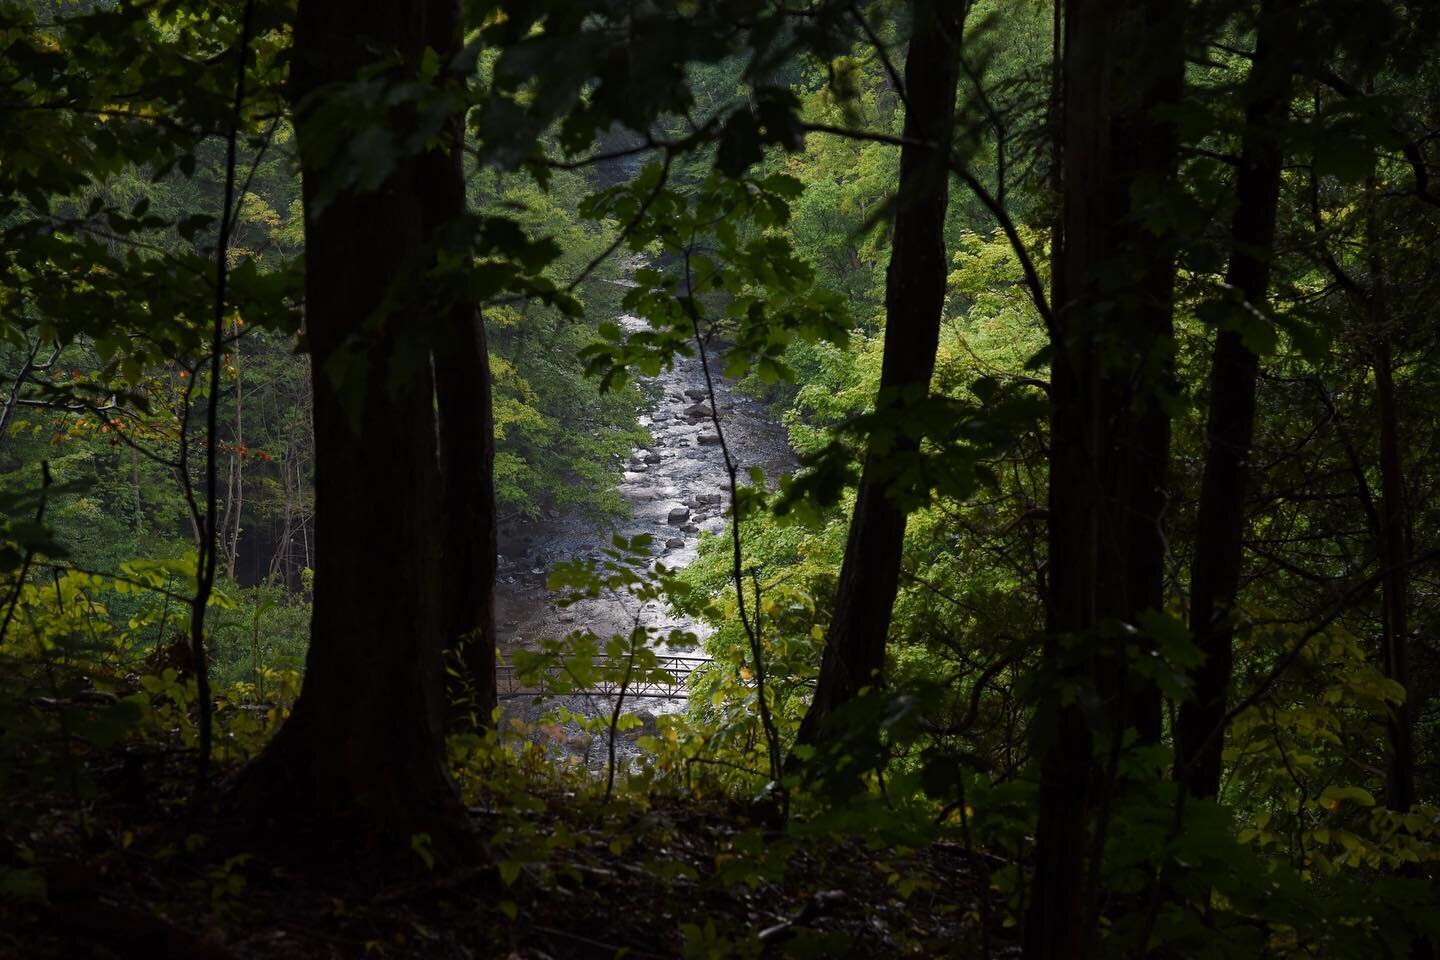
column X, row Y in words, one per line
column 690, row 528
column 679, row 515
column 674, row 542
column 653, row 458
column 699, row 410
column 697, row 393
column 708, row 439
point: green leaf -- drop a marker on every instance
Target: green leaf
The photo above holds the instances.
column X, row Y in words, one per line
column 1358, row 795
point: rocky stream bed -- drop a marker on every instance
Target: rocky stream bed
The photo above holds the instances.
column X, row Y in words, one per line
column 676, row 489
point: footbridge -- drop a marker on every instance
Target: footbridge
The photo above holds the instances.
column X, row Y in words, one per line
column 668, row 682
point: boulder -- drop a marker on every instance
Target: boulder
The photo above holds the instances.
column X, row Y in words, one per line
column 697, row 393
column 708, row 439
column 674, row 542
column 679, row 515
column 699, row 410
column 652, row 458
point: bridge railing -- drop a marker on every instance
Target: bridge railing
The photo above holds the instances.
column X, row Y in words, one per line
column 668, row 681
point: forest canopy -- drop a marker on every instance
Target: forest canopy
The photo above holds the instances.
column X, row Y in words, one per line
column 937, row 478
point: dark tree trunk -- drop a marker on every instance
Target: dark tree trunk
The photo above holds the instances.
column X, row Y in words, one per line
column 1113, row 293
column 1395, row 557
column 364, row 749
column 468, row 539
column 1055, row 919
column 467, row 431
column 1394, row 546
column 854, row 654
column 1230, row 426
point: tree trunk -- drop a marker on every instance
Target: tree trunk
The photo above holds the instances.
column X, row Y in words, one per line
column 235, row 493
column 1113, row 296
column 1394, row 546
column 1394, row 556
column 854, row 654
column 467, row 431
column 1230, row 426
column 364, row 749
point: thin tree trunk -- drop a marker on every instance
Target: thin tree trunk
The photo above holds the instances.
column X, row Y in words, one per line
column 1230, row 424
column 467, row 429
column 1394, row 554
column 364, row 750
column 12, row 397
column 135, row 490
column 1394, row 546
column 281, row 556
column 236, row 497
column 854, row 654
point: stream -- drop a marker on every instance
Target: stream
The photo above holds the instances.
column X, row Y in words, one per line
column 675, row 488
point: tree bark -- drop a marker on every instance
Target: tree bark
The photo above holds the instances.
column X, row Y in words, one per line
column 364, row 749
column 854, row 655
column 1230, row 424
column 1113, row 294
column 1395, row 556
column 467, row 431
column 235, row 493
column 1394, row 545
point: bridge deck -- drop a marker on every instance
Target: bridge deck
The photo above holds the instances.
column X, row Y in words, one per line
column 672, row 685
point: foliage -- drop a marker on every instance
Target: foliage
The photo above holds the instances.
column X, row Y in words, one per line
column 744, row 158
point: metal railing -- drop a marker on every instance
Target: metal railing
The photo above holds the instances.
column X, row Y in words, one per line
column 668, row 682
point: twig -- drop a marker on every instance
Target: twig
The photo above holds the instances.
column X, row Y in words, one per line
column 619, row 702
column 883, row 54
column 732, row 469
column 1342, row 604
column 29, row 553
column 625, row 231
column 205, row 560
column 1022, row 253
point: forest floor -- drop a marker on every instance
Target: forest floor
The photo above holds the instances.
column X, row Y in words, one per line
column 141, row 875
